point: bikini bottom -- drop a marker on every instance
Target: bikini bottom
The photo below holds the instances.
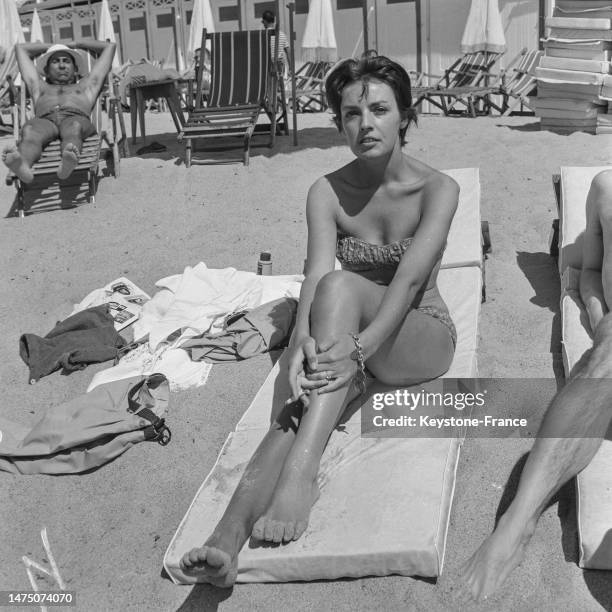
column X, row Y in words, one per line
column 432, row 305
column 444, row 317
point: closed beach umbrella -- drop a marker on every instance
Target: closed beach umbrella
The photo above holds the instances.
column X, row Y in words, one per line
column 483, row 29
column 10, row 34
column 106, row 31
column 36, row 34
column 319, row 41
column 202, row 17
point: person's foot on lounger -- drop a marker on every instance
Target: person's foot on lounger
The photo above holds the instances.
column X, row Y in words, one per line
column 216, row 562
column 287, row 515
column 16, row 164
column 70, row 160
column 497, row 556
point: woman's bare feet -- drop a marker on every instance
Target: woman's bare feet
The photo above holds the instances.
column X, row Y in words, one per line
column 216, row 562
column 15, row 163
column 497, row 556
column 70, row 160
column 286, row 518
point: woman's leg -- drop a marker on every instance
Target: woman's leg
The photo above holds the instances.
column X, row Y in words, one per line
column 420, row 349
column 217, row 560
column 339, row 296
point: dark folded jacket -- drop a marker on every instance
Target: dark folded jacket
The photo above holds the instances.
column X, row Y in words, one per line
column 86, row 337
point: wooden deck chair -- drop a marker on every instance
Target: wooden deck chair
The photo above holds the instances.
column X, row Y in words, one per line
column 45, row 169
column 465, row 83
column 516, row 83
column 8, row 94
column 8, row 105
column 309, row 87
column 241, row 68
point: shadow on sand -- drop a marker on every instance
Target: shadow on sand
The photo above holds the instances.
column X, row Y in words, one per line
column 526, row 127
column 598, row 581
column 204, row 598
column 229, row 150
column 540, row 269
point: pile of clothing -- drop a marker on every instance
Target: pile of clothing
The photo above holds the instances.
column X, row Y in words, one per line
column 197, row 318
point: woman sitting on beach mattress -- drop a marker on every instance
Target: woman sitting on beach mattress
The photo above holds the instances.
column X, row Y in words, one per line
column 385, row 216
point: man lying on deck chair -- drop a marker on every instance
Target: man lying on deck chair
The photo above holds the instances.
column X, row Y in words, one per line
column 576, row 420
column 63, row 102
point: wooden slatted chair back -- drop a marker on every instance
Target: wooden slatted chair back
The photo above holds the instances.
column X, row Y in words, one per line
column 523, row 77
column 470, row 69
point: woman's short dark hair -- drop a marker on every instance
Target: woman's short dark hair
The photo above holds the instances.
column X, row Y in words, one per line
column 370, row 67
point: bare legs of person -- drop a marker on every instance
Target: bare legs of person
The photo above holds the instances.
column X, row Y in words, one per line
column 72, row 133
column 570, row 434
column 36, row 135
column 216, row 562
column 273, row 499
column 600, row 196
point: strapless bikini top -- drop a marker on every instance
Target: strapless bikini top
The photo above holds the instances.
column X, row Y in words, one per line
column 358, row 255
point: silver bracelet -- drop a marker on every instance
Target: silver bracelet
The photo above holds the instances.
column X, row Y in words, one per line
column 360, row 375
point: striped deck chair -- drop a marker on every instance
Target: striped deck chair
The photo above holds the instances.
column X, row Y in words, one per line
column 241, row 67
column 8, row 74
column 463, row 87
column 309, row 87
column 45, row 169
column 8, row 106
column 517, row 83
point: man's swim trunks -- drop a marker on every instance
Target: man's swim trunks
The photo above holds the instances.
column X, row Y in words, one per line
column 59, row 113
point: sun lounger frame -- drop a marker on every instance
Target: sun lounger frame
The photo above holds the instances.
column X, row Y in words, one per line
column 465, row 83
column 515, row 84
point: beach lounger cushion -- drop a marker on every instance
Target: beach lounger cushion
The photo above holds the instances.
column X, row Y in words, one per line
column 464, row 245
column 593, row 484
column 385, row 503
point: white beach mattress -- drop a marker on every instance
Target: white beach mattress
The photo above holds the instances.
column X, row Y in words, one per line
column 385, row 502
column 594, row 484
column 464, row 244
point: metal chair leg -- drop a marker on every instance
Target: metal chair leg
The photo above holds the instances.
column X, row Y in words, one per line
column 92, row 187
column 20, row 199
column 188, row 152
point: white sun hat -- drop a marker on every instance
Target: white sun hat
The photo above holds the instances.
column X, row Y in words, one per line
column 79, row 61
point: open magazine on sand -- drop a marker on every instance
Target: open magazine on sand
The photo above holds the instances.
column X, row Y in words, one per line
column 125, row 300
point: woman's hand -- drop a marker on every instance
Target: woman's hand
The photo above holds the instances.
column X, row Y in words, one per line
column 335, row 363
column 302, row 360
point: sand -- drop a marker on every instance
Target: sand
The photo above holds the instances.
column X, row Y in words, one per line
column 109, row 529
